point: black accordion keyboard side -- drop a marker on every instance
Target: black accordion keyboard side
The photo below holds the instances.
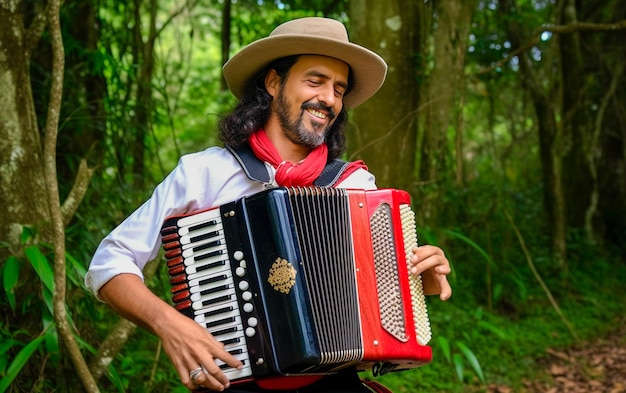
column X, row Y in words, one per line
column 274, row 265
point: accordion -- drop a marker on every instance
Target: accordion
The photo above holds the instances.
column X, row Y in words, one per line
column 303, row 281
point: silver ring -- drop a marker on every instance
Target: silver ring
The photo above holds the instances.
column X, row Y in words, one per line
column 194, row 373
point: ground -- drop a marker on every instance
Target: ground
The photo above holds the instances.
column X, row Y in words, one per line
column 593, row 367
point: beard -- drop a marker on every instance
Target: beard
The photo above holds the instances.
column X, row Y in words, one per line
column 295, row 130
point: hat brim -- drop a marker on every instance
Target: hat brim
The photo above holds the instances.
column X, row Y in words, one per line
column 368, row 69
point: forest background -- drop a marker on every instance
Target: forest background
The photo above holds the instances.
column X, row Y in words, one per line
column 505, row 120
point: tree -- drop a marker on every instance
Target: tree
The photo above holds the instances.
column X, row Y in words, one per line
column 541, row 94
column 22, row 186
column 592, row 74
column 443, row 92
column 402, row 132
column 570, row 110
column 444, row 89
column 385, row 126
column 21, row 124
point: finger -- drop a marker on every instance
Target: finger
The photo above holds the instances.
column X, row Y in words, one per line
column 195, row 374
column 194, row 377
column 423, row 266
column 446, row 289
column 427, row 257
column 219, row 352
column 215, row 374
column 185, row 377
column 426, row 251
column 420, row 254
column 206, row 379
column 184, row 366
column 438, row 264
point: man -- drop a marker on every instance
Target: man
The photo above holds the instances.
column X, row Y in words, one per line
column 293, row 88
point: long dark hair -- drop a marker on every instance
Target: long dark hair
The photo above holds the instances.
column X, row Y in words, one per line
column 253, row 110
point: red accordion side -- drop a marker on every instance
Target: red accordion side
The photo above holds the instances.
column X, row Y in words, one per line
column 383, row 351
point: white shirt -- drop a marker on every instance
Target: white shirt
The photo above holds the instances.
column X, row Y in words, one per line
column 202, row 180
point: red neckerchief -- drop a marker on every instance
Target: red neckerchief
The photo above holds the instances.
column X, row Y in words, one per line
column 289, row 174
column 303, row 173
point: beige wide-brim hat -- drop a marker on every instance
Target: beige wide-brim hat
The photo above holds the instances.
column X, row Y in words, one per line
column 309, row 36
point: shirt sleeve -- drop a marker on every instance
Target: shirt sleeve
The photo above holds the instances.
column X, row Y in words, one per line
column 136, row 241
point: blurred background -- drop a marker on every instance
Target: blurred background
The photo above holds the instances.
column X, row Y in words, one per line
column 505, row 120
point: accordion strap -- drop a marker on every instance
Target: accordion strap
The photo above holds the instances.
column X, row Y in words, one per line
column 255, row 169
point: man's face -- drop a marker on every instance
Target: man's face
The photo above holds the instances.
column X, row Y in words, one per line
column 311, row 97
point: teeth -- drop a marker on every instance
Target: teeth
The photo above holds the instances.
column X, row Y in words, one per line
column 317, row 113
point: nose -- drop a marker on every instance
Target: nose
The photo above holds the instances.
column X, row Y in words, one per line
column 327, row 95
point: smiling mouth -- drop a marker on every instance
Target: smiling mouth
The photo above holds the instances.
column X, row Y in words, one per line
column 318, row 114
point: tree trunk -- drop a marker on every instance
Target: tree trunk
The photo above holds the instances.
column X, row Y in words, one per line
column 444, row 83
column 549, row 136
column 384, row 133
column 578, row 179
column 605, row 56
column 22, row 186
column 142, row 122
column 85, row 93
column 592, row 75
column 442, row 109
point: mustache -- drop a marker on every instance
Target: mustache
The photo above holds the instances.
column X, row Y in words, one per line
column 319, row 107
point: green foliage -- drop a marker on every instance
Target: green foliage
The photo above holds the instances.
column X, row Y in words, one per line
column 9, row 340
column 19, row 361
column 456, row 359
column 472, row 360
column 10, row 275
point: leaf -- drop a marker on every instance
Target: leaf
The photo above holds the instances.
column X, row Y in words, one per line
column 10, row 276
column 445, row 347
column 27, row 234
column 3, row 364
column 473, row 361
column 470, row 242
column 7, row 344
column 458, row 366
column 116, row 379
column 41, row 266
column 521, row 286
column 493, row 329
column 84, row 344
column 77, row 272
column 52, row 338
column 47, row 297
column 497, row 291
column 18, row 363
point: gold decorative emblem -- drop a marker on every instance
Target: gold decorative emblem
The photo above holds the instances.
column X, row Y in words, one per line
column 282, row 276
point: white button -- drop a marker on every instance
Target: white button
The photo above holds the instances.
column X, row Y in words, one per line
column 243, row 263
column 250, row 332
column 238, row 255
column 248, row 307
column 253, row 321
column 244, row 285
column 247, row 296
column 240, row 272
